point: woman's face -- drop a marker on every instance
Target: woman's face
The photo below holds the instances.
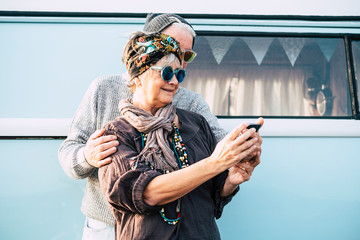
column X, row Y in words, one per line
column 153, row 92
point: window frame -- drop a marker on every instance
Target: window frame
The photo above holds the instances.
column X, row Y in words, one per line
column 352, row 75
column 346, row 38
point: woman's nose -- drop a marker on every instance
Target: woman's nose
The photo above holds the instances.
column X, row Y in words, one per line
column 174, row 80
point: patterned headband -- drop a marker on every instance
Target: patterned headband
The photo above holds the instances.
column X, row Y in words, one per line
column 148, row 50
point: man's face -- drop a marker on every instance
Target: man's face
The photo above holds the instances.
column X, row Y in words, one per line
column 181, row 35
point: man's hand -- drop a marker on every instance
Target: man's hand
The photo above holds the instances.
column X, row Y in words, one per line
column 98, row 148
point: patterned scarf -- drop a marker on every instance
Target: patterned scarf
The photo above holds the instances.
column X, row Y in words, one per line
column 157, row 151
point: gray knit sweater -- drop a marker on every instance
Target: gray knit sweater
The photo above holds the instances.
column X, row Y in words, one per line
column 99, row 106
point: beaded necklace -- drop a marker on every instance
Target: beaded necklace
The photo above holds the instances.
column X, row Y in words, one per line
column 181, row 156
column 180, row 148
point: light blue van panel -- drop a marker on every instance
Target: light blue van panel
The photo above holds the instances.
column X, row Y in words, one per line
column 305, row 188
column 50, row 66
column 38, row 201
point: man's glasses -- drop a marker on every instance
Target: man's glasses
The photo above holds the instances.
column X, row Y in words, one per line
column 167, row 73
column 189, row 55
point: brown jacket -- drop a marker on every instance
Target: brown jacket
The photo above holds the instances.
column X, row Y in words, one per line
column 123, row 187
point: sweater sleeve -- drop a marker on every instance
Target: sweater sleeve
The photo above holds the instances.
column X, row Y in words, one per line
column 83, row 124
column 189, row 100
column 98, row 106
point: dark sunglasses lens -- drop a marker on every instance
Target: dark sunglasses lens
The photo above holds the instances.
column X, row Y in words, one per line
column 180, row 75
column 167, row 74
column 189, row 56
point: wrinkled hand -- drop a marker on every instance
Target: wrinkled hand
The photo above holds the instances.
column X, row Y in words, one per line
column 98, row 148
column 239, row 173
column 234, row 148
column 242, row 171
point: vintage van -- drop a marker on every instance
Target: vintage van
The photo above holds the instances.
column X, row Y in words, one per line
column 301, row 73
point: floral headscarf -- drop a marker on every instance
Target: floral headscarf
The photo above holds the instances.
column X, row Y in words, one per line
column 147, row 50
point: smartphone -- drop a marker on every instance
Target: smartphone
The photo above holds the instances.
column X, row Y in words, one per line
column 254, row 125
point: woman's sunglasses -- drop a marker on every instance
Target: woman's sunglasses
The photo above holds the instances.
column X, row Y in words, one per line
column 189, row 55
column 167, row 73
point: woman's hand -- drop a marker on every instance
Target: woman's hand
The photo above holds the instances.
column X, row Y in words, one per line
column 234, row 148
column 239, row 173
column 242, row 170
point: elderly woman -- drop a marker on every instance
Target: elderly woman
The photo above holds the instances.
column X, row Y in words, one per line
column 168, row 178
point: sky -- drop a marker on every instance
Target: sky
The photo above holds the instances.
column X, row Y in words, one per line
column 256, row 7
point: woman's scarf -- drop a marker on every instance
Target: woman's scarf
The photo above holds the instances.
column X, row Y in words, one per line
column 157, row 152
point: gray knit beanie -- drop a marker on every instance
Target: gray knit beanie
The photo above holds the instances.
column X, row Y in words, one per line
column 157, row 22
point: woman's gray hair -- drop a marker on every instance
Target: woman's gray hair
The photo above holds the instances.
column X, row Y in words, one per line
column 169, row 59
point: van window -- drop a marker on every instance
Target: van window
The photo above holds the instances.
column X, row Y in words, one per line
column 271, row 76
column 356, row 56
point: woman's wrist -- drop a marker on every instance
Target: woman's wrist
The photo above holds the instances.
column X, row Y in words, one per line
column 228, row 188
column 213, row 163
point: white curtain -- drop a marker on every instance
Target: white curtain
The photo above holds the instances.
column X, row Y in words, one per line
column 254, row 91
